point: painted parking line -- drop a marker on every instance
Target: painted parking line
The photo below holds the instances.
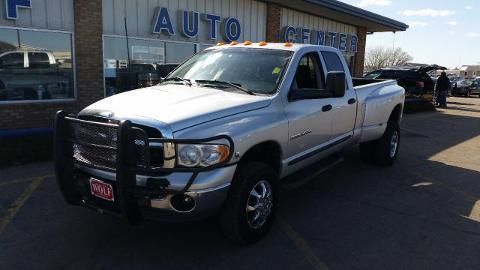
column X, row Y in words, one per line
column 302, row 246
column 19, row 202
column 23, row 180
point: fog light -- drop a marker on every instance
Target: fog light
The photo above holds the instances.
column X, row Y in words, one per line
column 182, row 203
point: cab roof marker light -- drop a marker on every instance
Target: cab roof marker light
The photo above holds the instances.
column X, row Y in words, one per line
column 262, row 43
column 288, row 44
column 248, row 42
column 220, row 43
column 233, row 43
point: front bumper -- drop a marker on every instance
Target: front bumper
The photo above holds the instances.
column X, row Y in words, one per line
column 139, row 192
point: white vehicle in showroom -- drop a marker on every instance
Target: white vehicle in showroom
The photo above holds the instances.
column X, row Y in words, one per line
column 220, row 134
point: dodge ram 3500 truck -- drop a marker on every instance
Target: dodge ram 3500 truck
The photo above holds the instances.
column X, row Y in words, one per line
column 218, row 135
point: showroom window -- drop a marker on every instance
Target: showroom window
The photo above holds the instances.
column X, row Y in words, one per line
column 176, row 53
column 140, row 62
column 133, row 67
column 35, row 65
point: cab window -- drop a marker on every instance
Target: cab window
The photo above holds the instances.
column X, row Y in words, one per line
column 12, row 60
column 309, row 75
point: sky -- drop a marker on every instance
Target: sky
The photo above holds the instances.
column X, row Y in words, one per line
column 441, row 32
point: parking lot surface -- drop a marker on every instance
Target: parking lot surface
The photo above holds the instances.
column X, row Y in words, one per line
column 423, row 213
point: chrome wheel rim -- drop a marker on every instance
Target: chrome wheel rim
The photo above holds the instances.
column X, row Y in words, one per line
column 259, row 204
column 394, row 144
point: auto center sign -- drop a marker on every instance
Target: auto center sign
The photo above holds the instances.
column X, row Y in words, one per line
column 341, row 41
column 230, row 28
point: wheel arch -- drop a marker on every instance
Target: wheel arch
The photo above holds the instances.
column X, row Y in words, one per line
column 268, row 152
column 396, row 114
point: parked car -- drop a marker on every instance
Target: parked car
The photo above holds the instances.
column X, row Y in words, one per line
column 31, row 75
column 146, row 74
column 475, row 88
column 165, row 69
column 415, row 80
column 461, row 87
column 220, row 134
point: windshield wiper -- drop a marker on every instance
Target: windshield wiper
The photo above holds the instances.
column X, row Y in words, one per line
column 231, row 84
column 178, row 79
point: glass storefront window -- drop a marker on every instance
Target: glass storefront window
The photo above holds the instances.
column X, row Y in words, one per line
column 142, row 64
column 35, row 65
column 205, row 46
column 178, row 52
column 132, row 68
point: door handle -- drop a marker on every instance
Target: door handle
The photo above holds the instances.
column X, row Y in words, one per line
column 352, row 101
column 327, row 108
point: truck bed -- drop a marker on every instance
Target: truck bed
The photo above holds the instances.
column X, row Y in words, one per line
column 365, row 81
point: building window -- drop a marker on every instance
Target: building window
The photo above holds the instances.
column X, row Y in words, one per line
column 176, row 53
column 142, row 64
column 133, row 67
column 35, row 65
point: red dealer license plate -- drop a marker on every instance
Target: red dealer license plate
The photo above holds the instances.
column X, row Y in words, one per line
column 101, row 189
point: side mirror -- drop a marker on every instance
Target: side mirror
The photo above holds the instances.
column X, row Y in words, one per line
column 336, row 83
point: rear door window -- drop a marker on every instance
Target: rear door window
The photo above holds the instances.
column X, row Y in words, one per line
column 333, row 62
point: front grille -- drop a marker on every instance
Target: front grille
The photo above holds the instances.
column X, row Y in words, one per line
column 96, row 145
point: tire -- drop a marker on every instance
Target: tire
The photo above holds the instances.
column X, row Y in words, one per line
column 239, row 226
column 386, row 148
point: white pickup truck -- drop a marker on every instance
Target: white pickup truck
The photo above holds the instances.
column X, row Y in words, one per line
column 220, row 134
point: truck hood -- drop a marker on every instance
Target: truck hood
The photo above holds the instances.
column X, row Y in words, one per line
column 177, row 106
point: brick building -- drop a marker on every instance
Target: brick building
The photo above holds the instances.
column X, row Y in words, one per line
column 66, row 54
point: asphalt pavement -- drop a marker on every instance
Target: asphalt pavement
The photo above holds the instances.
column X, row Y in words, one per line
column 423, row 213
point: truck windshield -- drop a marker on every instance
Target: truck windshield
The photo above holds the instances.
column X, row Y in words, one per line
column 256, row 70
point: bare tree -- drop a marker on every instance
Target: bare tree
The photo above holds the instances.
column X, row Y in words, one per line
column 380, row 57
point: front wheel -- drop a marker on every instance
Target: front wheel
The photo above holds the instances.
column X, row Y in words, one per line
column 251, row 204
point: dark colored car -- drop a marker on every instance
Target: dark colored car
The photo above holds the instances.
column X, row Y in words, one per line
column 146, row 74
column 474, row 88
column 461, row 87
column 164, row 69
column 415, row 79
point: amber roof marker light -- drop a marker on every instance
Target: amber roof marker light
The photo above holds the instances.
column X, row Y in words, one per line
column 233, row 43
column 248, row 42
column 288, row 44
column 220, row 43
column 262, row 43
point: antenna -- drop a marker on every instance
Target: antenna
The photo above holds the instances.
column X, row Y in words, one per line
column 126, row 37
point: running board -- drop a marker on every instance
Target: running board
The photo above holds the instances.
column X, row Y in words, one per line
column 306, row 175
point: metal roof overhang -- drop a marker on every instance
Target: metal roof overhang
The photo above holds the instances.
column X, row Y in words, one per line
column 345, row 13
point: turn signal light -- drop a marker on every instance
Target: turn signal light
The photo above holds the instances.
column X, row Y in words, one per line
column 263, row 43
column 233, row 43
column 248, row 42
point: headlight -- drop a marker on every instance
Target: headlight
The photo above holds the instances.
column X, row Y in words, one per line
column 202, row 155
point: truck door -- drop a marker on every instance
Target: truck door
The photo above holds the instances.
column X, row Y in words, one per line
column 344, row 109
column 309, row 119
